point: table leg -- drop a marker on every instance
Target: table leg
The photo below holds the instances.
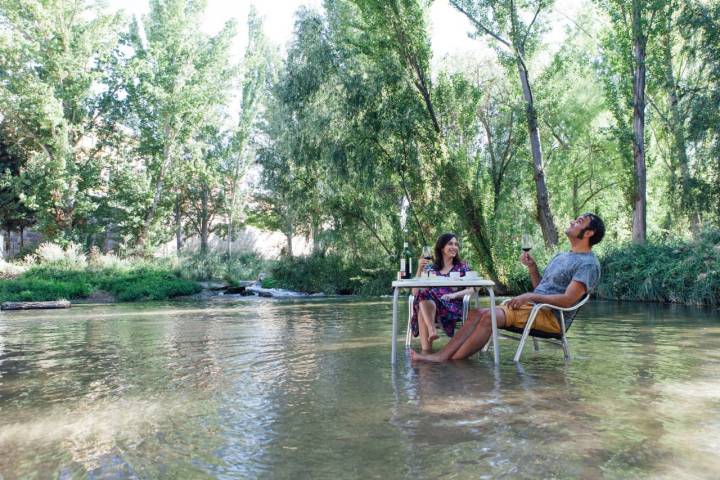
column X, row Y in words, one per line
column 393, row 348
column 496, row 350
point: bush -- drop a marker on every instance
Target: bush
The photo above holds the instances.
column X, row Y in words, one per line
column 215, row 266
column 128, row 282
column 35, row 289
column 664, row 271
column 331, row 274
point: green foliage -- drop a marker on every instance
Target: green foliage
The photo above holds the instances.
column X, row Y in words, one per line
column 331, row 274
column 664, row 271
column 214, row 266
column 142, row 281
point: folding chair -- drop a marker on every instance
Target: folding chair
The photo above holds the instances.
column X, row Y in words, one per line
column 411, row 299
column 557, row 339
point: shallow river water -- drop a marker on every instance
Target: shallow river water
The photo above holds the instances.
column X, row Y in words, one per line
column 304, row 388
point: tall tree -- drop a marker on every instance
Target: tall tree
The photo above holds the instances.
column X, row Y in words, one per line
column 176, row 81
column 256, row 78
column 633, row 24
column 515, row 39
column 52, row 65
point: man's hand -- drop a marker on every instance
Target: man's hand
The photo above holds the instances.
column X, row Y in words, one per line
column 520, row 300
column 528, row 261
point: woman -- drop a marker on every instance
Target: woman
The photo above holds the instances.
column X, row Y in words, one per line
column 445, row 303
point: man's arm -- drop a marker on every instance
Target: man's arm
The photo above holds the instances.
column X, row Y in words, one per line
column 529, row 262
column 572, row 295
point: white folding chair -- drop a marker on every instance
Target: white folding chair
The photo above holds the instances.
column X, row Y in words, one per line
column 557, row 339
column 411, row 299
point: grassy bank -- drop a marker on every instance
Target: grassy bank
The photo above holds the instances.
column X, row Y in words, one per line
column 53, row 273
column 139, row 282
column 660, row 271
column 664, row 271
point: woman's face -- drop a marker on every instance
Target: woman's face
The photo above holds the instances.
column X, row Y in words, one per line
column 450, row 250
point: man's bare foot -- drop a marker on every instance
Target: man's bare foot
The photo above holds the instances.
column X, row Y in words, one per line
column 424, row 357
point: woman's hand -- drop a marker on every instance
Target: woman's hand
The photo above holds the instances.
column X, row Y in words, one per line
column 448, row 297
column 421, row 266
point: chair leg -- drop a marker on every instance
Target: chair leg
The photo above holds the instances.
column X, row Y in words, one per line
column 566, row 347
column 525, row 334
column 466, row 308
column 536, row 344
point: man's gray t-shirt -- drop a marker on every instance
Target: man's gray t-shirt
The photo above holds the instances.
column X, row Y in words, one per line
column 563, row 269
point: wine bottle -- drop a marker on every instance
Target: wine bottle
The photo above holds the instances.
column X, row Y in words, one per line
column 406, row 262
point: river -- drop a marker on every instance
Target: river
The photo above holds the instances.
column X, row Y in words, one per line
column 303, row 388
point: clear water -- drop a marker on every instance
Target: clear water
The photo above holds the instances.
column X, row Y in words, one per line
column 304, row 389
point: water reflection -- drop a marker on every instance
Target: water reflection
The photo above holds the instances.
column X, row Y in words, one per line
column 303, row 388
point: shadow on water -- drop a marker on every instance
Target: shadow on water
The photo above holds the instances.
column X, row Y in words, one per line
column 304, row 388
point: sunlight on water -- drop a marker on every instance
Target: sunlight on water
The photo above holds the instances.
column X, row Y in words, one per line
column 303, row 388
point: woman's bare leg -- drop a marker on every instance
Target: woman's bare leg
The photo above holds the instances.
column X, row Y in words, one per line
column 425, row 345
column 427, row 314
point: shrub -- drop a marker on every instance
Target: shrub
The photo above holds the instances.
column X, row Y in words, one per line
column 215, row 266
column 141, row 280
column 664, row 271
column 331, row 274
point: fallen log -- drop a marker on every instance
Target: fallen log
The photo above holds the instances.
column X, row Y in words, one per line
column 34, row 305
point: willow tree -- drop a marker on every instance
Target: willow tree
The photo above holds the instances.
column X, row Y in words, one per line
column 395, row 32
column 513, row 29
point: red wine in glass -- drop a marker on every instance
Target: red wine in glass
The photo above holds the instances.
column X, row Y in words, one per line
column 526, row 245
column 427, row 255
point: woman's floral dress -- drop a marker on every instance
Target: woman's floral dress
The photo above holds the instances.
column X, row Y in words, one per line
column 448, row 312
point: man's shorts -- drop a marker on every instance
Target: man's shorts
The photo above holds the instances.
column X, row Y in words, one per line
column 518, row 317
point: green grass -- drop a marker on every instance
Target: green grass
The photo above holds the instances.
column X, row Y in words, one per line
column 135, row 283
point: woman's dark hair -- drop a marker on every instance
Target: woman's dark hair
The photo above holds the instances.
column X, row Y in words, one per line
column 439, row 245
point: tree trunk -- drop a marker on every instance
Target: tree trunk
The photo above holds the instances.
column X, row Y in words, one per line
column 178, row 225
column 204, row 222
column 677, row 125
column 542, row 197
column 229, row 235
column 639, row 226
column 288, row 239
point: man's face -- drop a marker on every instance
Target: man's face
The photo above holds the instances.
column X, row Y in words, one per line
column 576, row 226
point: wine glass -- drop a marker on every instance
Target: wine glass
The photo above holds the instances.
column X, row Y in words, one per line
column 427, row 254
column 526, row 245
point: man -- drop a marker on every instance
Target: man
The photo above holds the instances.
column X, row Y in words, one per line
column 566, row 280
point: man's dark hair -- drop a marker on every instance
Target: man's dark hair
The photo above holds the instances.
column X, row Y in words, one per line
column 597, row 226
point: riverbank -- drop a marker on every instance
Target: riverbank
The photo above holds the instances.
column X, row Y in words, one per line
column 666, row 271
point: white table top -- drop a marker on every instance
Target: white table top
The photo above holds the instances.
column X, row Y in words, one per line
column 443, row 282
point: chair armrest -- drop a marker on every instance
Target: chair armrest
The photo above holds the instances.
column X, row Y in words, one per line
column 538, row 306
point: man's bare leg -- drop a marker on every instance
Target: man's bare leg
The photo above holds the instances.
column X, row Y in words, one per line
column 481, row 335
column 455, row 342
column 426, row 313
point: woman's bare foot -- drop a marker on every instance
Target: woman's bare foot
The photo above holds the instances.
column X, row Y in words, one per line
column 432, row 334
column 424, row 357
